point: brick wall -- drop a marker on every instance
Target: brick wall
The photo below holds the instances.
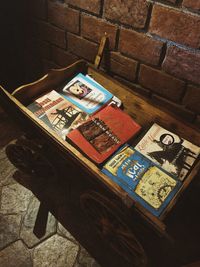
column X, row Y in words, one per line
column 154, row 45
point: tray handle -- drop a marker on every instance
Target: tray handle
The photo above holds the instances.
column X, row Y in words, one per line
column 101, row 50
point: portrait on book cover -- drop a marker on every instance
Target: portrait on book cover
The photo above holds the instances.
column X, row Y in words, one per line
column 170, row 151
column 78, row 89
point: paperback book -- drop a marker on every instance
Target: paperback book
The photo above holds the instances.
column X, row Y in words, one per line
column 86, row 93
column 145, row 182
column 59, row 114
column 168, row 150
column 103, row 133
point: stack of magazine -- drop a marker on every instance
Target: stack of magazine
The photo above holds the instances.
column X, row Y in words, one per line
column 153, row 170
column 84, row 113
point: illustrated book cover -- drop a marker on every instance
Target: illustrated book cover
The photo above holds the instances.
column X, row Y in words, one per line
column 115, row 100
column 104, row 133
column 142, row 179
column 168, row 150
column 86, row 93
column 59, row 114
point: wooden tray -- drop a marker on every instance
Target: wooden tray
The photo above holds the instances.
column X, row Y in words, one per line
column 140, row 109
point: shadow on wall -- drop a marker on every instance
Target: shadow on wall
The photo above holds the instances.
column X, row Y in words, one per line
column 15, row 25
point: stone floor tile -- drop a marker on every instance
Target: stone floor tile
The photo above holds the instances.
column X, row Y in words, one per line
column 9, row 229
column 15, row 255
column 14, row 199
column 55, row 251
column 85, row 260
column 29, row 222
column 62, row 231
column 6, row 169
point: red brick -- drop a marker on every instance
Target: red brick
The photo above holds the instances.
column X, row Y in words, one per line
column 183, row 64
column 51, row 33
column 161, row 83
column 193, row 4
column 192, row 98
column 174, row 108
column 62, row 57
column 81, row 47
column 123, row 66
column 93, row 6
column 62, row 16
column 93, row 28
column 176, row 26
column 140, row 46
column 131, row 12
column 134, row 87
column 38, row 8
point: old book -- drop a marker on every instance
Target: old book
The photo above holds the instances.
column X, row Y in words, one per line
column 146, row 183
column 86, row 93
column 59, row 114
column 104, row 133
column 168, row 150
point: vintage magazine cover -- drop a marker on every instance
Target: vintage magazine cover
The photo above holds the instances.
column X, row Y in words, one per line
column 58, row 113
column 104, row 133
column 146, row 183
column 171, row 152
column 85, row 93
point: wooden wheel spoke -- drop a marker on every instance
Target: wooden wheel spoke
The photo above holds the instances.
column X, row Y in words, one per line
column 29, row 161
column 106, row 218
column 132, row 245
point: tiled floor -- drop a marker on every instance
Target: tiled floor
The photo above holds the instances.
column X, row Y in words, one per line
column 19, row 247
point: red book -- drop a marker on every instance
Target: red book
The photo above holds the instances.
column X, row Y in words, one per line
column 104, row 133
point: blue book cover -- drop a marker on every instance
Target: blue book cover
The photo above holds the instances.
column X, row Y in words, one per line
column 86, row 94
column 145, row 182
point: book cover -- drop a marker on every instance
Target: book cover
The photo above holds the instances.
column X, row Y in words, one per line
column 115, row 100
column 168, row 150
column 104, row 133
column 59, row 114
column 142, row 179
column 85, row 93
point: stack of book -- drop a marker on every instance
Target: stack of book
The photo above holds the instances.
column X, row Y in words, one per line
column 86, row 114
column 153, row 170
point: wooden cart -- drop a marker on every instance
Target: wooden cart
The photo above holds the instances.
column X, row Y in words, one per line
column 114, row 228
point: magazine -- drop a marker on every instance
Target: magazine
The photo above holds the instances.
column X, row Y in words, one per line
column 168, row 150
column 142, row 179
column 103, row 133
column 59, row 114
column 86, row 93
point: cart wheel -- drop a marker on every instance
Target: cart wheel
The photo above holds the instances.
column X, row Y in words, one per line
column 29, row 161
column 106, row 217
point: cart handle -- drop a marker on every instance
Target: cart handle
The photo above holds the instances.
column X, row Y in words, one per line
column 101, row 50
